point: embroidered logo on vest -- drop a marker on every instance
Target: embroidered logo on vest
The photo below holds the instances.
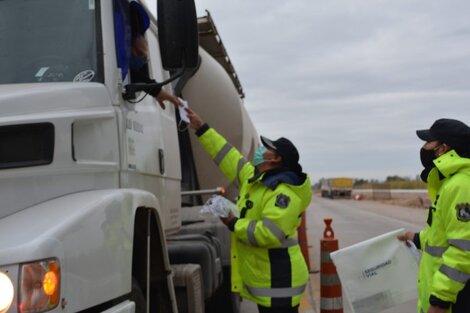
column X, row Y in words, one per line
column 282, row 201
column 463, row 212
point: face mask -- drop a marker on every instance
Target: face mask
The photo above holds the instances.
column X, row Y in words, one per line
column 258, row 158
column 427, row 157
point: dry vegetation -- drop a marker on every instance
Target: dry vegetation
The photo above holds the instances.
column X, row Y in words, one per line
column 415, row 202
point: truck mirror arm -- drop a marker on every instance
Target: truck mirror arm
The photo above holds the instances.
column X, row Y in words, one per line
column 130, row 90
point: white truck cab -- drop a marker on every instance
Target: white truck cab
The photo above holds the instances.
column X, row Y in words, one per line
column 92, row 169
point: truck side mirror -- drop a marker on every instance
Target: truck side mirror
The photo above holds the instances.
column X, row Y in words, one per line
column 178, row 33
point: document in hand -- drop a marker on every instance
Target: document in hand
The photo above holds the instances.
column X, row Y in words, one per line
column 182, row 110
column 378, row 273
column 219, row 207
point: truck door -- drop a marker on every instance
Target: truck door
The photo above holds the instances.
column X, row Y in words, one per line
column 169, row 156
column 150, row 147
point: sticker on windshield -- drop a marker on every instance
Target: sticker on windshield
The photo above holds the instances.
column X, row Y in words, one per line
column 85, row 76
column 91, row 5
column 42, row 71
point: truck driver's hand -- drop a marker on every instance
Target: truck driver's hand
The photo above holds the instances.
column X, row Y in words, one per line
column 195, row 120
column 165, row 96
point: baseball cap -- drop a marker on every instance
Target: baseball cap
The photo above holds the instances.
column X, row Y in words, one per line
column 452, row 132
column 286, row 149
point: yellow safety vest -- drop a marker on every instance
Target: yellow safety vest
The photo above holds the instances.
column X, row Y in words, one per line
column 268, row 267
column 445, row 264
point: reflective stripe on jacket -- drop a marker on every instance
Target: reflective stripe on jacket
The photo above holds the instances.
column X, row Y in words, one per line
column 445, row 264
column 267, row 264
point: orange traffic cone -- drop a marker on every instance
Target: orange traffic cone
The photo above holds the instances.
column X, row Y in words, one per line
column 331, row 300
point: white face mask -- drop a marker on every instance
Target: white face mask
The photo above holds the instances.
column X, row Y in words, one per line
column 258, row 158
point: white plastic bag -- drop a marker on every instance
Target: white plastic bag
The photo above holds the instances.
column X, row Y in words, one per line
column 219, row 206
column 378, row 273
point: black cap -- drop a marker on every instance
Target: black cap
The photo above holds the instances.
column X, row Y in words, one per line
column 452, row 132
column 286, row 149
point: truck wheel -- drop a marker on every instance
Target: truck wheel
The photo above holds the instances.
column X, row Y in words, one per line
column 137, row 296
column 223, row 300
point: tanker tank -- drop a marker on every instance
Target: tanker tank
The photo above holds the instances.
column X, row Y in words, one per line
column 212, row 93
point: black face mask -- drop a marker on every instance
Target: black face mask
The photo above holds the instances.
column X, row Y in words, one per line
column 427, row 157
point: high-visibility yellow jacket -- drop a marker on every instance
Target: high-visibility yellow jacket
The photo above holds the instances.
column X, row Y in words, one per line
column 267, row 264
column 445, row 264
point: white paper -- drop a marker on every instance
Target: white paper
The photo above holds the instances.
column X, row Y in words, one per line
column 182, row 109
column 378, row 273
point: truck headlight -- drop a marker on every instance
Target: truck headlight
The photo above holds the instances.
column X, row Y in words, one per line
column 6, row 292
column 39, row 286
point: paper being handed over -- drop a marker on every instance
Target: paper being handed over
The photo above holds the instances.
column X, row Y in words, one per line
column 182, row 109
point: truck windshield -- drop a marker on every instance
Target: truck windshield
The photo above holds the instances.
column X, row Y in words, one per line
column 49, row 41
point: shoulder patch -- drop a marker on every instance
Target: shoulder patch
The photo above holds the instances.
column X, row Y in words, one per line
column 282, row 201
column 463, row 212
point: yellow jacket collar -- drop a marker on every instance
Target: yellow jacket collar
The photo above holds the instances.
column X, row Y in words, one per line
column 450, row 163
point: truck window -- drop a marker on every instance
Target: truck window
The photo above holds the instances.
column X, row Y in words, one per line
column 131, row 22
column 122, row 33
column 49, row 41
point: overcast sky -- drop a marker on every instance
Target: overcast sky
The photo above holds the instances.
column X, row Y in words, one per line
column 349, row 81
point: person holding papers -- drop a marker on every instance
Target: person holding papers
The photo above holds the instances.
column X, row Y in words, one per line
column 268, row 267
column 444, row 271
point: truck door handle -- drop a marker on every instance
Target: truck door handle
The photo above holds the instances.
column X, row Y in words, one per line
column 161, row 161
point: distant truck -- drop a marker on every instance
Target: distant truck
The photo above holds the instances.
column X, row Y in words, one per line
column 335, row 188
